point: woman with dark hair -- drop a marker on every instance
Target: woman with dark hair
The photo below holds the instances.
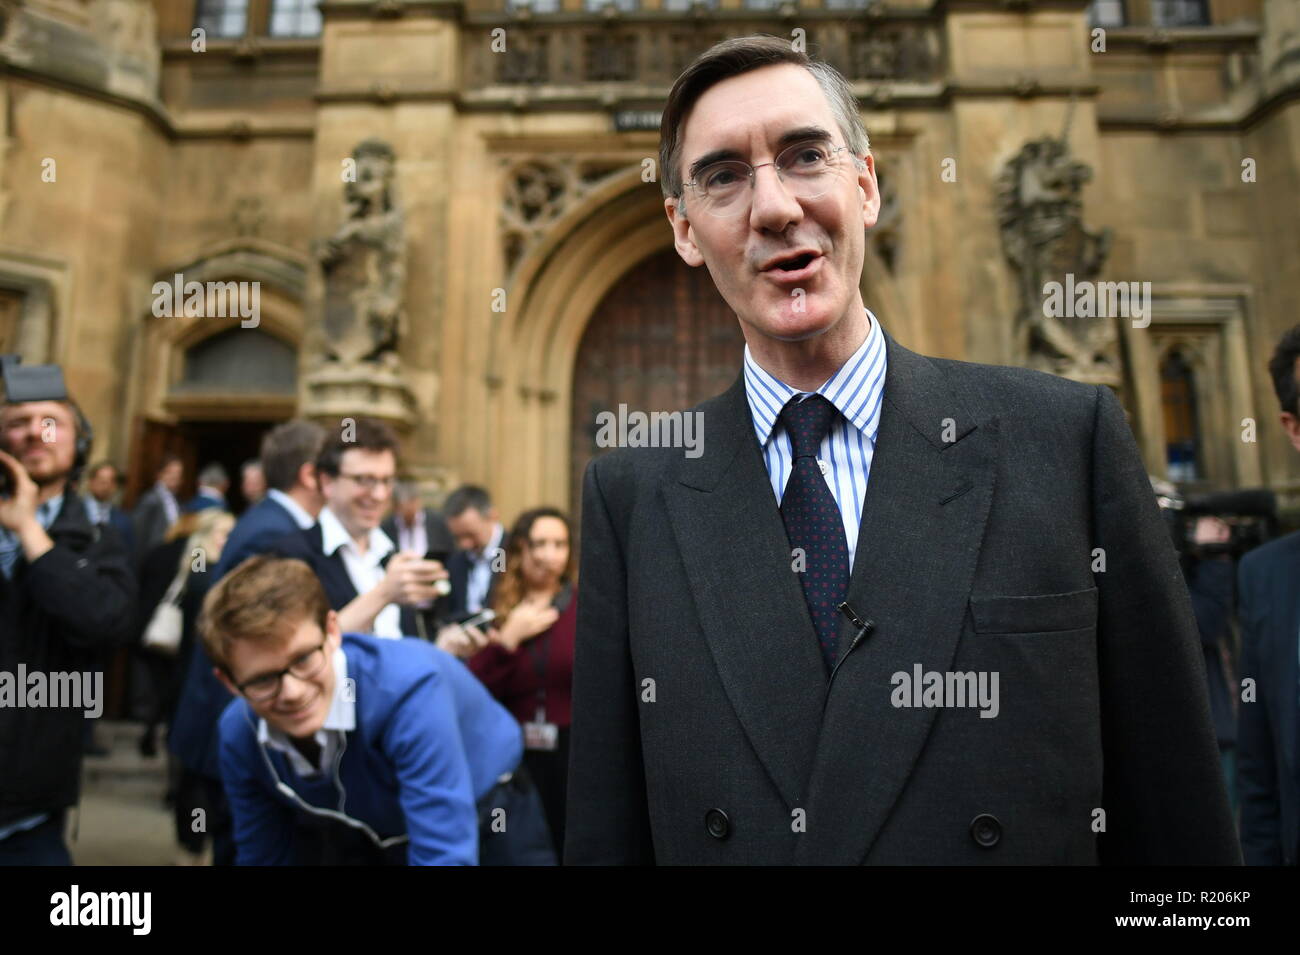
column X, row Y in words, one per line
column 528, row 666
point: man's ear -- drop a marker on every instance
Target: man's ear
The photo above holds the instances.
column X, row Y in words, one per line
column 1292, row 425
column 868, row 189
column 333, row 632
column 683, row 234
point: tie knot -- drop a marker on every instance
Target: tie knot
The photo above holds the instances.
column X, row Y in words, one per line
column 808, row 422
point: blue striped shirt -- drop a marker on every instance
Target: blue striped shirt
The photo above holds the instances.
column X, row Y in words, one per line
column 856, row 391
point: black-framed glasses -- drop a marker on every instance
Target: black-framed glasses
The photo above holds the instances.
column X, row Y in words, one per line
column 369, row 482
column 808, row 169
column 267, row 686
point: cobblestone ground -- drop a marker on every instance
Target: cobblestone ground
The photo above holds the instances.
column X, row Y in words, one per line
column 123, row 820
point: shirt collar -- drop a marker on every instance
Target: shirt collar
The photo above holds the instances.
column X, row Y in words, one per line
column 342, row 715
column 334, row 535
column 48, row 511
column 296, row 511
column 208, row 491
column 854, row 389
column 498, row 532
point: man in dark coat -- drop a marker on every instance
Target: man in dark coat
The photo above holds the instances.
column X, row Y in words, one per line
column 1268, row 754
column 890, row 609
column 67, row 595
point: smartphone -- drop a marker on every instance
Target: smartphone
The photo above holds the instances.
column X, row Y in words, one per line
column 486, row 615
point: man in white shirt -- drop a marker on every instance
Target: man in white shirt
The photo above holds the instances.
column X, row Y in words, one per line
column 368, row 580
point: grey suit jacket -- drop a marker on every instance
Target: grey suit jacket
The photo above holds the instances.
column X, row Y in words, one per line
column 149, row 520
column 705, row 729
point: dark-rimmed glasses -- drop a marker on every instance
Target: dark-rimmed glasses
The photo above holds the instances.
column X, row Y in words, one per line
column 267, row 686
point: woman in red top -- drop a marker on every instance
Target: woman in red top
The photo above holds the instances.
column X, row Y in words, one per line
column 528, row 666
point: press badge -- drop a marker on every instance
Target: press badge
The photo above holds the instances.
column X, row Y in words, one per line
column 540, row 734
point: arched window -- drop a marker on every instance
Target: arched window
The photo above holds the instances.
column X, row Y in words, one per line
column 239, row 361
column 1182, row 429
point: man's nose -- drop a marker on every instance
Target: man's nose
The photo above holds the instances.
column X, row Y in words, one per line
column 773, row 206
column 292, row 688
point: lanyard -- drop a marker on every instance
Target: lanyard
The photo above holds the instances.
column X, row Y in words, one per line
column 539, row 651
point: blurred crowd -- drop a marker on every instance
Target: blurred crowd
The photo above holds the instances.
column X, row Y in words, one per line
column 499, row 602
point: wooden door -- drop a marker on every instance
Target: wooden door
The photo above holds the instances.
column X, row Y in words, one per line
column 153, row 439
column 662, row 339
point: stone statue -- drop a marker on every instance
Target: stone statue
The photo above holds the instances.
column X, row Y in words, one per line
column 1043, row 236
column 365, row 265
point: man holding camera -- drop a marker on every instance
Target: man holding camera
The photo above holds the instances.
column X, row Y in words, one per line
column 66, row 593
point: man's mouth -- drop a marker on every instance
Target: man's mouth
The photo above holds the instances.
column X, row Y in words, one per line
column 294, row 716
column 795, row 263
column 795, row 269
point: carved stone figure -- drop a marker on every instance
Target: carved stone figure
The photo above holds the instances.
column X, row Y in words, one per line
column 1043, row 236
column 365, row 265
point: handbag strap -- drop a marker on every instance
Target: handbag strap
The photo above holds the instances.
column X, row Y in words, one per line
column 177, row 586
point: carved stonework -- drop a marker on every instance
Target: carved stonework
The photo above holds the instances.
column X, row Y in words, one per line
column 365, row 265
column 537, row 192
column 560, row 53
column 355, row 368
column 1043, row 236
column 247, row 216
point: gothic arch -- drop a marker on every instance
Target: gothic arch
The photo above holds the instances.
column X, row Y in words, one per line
column 162, row 342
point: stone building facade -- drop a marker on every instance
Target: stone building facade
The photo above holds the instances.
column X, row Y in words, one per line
column 475, row 181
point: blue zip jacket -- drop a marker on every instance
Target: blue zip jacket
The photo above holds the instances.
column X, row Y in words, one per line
column 429, row 742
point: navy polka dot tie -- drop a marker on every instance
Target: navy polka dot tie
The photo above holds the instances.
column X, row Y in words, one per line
column 812, row 520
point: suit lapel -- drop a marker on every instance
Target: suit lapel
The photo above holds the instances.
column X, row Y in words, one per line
column 923, row 519
column 733, row 544
column 1286, row 662
column 332, row 571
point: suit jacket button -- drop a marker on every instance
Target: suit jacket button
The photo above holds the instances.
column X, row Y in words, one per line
column 716, row 821
column 986, row 830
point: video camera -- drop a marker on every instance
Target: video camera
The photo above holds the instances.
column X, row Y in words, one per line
column 1250, row 514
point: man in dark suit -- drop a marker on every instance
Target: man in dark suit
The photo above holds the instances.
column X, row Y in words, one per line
column 477, row 566
column 375, row 587
column 414, row 527
column 157, row 509
column 293, row 499
column 290, row 505
column 214, row 482
column 102, row 484
column 771, row 619
column 1268, row 757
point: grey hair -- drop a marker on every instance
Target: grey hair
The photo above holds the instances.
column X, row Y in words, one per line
column 405, row 491
column 213, row 474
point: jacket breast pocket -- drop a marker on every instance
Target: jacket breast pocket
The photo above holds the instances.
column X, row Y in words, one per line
column 1035, row 613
